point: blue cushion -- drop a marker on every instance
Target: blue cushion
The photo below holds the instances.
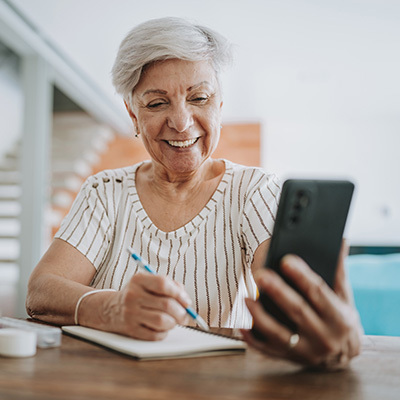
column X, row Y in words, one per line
column 375, row 280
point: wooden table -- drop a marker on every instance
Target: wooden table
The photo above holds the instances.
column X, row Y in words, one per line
column 79, row 370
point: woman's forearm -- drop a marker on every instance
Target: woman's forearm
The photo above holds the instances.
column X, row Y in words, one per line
column 52, row 298
column 61, row 277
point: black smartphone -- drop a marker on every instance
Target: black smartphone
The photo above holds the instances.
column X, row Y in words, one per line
column 310, row 222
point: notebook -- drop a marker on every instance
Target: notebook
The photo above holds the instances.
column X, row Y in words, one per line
column 181, row 342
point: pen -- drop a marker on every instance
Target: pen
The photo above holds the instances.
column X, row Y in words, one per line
column 200, row 321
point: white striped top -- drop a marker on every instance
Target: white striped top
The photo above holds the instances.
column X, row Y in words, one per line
column 211, row 255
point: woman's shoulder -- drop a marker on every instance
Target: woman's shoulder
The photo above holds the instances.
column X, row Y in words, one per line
column 110, row 184
column 118, row 175
column 251, row 175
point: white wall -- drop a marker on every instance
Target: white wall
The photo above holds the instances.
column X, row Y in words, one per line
column 322, row 77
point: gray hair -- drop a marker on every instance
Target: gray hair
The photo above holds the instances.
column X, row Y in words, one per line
column 162, row 39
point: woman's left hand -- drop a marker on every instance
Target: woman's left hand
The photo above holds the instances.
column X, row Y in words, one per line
column 328, row 325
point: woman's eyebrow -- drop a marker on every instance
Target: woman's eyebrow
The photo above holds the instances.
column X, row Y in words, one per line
column 154, row 91
column 205, row 83
column 164, row 92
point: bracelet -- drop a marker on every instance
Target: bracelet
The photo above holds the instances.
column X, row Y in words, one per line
column 85, row 295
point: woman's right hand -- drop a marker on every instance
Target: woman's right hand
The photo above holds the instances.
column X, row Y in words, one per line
column 147, row 308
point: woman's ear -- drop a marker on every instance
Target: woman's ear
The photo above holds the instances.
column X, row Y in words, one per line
column 130, row 112
column 133, row 118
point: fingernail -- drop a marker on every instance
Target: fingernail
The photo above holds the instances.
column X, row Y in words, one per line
column 288, row 260
column 187, row 300
column 288, row 257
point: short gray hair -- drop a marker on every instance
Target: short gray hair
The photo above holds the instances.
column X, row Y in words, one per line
column 162, row 39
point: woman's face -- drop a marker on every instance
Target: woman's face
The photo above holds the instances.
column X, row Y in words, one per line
column 176, row 108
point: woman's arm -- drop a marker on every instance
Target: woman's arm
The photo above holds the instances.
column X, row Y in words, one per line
column 61, row 277
column 259, row 258
column 328, row 323
column 146, row 308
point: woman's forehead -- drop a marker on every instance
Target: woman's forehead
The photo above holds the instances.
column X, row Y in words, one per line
column 169, row 73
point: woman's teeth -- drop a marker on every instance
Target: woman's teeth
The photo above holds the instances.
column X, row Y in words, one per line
column 185, row 143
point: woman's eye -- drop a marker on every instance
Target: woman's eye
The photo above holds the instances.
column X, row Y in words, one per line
column 156, row 104
column 199, row 99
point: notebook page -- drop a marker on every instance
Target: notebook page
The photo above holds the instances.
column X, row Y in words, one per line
column 180, row 342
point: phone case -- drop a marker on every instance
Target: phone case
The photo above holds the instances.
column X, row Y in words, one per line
column 310, row 223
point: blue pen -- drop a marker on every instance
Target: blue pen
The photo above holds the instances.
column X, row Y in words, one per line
column 200, row 321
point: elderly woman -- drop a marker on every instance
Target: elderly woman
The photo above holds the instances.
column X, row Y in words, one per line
column 202, row 223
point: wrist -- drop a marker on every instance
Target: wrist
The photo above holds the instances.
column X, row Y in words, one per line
column 89, row 305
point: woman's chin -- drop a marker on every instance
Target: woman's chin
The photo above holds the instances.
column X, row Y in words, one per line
column 184, row 164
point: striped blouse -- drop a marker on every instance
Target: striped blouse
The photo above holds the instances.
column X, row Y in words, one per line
column 211, row 255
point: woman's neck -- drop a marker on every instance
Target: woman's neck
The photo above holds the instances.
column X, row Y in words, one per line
column 171, row 204
column 181, row 186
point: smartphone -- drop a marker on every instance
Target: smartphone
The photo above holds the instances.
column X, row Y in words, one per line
column 310, row 222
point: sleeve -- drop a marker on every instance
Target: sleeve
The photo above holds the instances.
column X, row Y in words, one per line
column 259, row 213
column 87, row 226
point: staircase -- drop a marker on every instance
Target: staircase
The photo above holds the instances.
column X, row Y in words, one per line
column 77, row 144
column 10, row 209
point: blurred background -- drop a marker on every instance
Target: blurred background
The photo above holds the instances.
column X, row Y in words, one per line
column 314, row 92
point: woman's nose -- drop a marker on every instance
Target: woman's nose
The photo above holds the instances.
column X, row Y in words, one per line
column 180, row 118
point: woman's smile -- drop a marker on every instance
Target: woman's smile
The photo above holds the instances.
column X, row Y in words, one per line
column 182, row 143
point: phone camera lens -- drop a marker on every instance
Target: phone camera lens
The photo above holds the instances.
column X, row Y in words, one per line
column 293, row 220
column 302, row 200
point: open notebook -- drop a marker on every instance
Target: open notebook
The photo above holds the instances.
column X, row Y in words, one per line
column 181, row 342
